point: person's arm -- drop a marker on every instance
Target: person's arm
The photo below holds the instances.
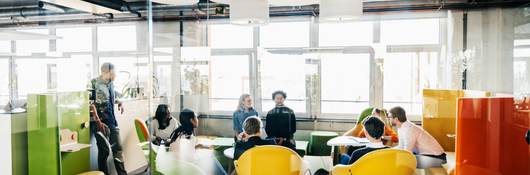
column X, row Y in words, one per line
column 354, row 130
column 393, row 135
column 293, row 124
column 354, row 157
column 235, row 123
column 268, row 124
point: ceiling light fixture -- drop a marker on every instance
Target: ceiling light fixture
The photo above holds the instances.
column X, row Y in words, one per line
column 177, row 2
column 340, row 10
column 249, row 12
column 292, row 2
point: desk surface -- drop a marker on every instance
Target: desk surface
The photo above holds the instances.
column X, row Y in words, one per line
column 347, row 141
column 300, row 145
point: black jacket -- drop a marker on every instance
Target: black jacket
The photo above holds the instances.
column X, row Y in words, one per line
column 280, row 122
column 241, row 146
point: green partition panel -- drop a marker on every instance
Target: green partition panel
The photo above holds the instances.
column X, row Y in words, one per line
column 19, row 143
column 47, row 115
column 72, row 109
column 43, row 135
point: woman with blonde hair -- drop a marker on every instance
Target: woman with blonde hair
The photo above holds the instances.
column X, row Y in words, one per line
column 390, row 137
column 243, row 111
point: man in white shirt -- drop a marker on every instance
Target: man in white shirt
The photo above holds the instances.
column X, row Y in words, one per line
column 413, row 138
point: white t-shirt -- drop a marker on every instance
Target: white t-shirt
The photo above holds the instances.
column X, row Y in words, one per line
column 413, row 138
column 165, row 133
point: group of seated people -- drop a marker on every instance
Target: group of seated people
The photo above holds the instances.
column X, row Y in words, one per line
column 375, row 124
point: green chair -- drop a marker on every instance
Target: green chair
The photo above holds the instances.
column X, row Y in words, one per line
column 318, row 143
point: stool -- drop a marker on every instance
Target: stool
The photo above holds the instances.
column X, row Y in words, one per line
column 92, row 173
column 318, row 143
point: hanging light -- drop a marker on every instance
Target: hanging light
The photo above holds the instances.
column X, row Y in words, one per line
column 292, row 2
column 340, row 10
column 177, row 2
column 249, row 12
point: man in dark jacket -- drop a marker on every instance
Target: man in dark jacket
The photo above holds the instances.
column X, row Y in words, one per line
column 281, row 122
column 251, row 137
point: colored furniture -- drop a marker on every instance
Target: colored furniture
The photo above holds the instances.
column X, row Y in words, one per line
column 141, row 130
column 380, row 162
column 92, row 173
column 58, row 134
column 440, row 111
column 267, row 160
column 490, row 137
column 318, row 143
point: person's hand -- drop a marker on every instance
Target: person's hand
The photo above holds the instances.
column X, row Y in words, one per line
column 92, row 108
column 387, row 138
column 243, row 136
column 120, row 108
column 279, row 141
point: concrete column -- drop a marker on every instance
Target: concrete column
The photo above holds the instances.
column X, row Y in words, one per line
column 490, row 38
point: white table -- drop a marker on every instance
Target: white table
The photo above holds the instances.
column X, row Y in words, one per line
column 229, row 152
column 347, row 141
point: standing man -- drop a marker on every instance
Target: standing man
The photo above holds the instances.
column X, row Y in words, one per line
column 281, row 122
column 104, row 100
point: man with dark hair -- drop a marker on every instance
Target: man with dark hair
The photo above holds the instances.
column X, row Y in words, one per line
column 374, row 129
column 413, row 138
column 281, row 122
column 105, row 97
column 251, row 137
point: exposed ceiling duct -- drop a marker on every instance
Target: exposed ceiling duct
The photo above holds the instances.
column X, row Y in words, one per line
column 84, row 6
column 27, row 12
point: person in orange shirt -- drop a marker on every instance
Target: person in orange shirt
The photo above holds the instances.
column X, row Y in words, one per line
column 389, row 138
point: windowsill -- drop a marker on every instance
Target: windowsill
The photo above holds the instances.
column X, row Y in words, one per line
column 300, row 119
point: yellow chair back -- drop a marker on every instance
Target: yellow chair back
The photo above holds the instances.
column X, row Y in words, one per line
column 380, row 162
column 268, row 160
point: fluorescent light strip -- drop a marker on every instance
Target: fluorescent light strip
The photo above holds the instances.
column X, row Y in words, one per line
column 83, row 6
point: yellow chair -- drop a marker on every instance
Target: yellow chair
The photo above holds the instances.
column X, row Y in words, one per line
column 267, row 160
column 380, row 162
column 92, row 173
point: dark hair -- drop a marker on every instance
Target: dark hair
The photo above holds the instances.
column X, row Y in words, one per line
column 252, row 125
column 374, row 127
column 186, row 127
column 399, row 112
column 162, row 116
column 279, row 93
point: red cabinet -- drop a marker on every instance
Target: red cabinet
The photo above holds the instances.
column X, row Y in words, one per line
column 491, row 137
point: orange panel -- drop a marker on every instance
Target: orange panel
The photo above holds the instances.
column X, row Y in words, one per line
column 490, row 138
column 439, row 115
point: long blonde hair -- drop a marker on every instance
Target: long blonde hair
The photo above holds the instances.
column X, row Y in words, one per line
column 241, row 105
column 383, row 115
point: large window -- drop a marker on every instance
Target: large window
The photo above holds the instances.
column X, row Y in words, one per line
column 131, row 75
column 4, row 81
column 229, row 79
column 405, row 76
column 346, row 34
column 230, row 36
column 345, row 83
column 33, row 45
column 74, row 39
column 406, row 32
column 285, row 34
column 117, row 38
column 287, row 73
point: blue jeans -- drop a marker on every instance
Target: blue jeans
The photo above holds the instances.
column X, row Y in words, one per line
column 344, row 159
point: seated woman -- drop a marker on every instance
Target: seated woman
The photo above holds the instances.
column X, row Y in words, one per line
column 373, row 130
column 184, row 145
column 162, row 125
column 389, row 138
column 251, row 137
